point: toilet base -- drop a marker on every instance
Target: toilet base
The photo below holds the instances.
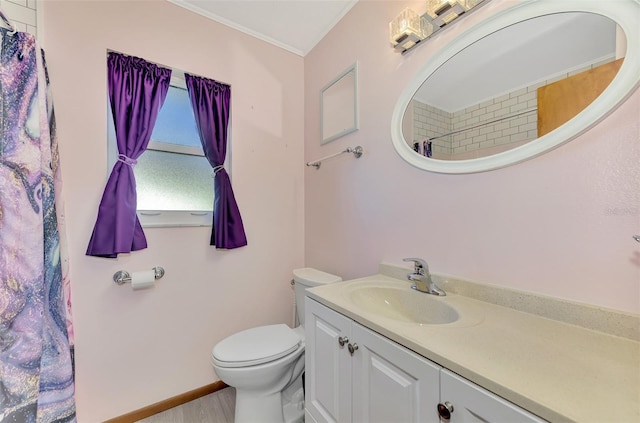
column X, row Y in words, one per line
column 279, row 407
column 251, row 408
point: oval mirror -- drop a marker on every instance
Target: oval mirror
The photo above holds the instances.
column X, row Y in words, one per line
column 519, row 84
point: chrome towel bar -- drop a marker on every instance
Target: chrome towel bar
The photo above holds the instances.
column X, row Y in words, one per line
column 357, row 152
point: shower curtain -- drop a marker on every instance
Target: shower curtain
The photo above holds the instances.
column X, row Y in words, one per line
column 36, row 370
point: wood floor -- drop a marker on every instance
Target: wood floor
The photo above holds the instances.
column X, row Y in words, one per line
column 213, row 408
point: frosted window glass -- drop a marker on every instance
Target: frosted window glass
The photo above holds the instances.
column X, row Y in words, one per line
column 173, row 181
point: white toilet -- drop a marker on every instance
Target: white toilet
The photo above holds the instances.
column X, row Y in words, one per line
column 265, row 363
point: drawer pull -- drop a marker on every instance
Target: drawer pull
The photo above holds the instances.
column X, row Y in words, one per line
column 352, row 348
column 445, row 410
column 342, row 341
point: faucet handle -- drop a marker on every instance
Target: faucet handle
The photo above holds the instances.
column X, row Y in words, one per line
column 420, row 266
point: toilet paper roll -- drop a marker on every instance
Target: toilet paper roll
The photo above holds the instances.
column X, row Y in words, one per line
column 142, row 280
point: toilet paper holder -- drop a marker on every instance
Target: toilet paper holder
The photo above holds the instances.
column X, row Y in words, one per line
column 122, row 276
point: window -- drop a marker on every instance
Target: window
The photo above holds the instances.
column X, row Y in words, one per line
column 174, row 180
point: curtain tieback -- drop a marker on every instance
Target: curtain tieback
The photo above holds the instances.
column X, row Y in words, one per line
column 217, row 169
column 127, row 160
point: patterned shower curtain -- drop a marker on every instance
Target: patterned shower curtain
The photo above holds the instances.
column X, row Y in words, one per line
column 36, row 366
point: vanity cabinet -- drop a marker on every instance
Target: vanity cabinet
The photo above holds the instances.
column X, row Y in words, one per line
column 356, row 375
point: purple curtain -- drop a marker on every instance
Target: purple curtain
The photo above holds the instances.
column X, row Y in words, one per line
column 211, row 106
column 137, row 90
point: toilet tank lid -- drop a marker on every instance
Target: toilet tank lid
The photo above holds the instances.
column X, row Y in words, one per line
column 256, row 345
column 311, row 276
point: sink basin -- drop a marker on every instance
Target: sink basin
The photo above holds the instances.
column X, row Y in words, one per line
column 403, row 304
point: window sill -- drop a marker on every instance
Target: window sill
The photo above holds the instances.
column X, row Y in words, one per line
column 171, row 219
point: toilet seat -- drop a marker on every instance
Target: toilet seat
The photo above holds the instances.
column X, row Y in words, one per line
column 256, row 346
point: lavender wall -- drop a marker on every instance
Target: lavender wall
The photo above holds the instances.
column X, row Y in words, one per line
column 559, row 225
column 137, row 348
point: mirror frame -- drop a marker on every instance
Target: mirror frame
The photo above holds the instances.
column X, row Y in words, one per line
column 624, row 13
column 353, row 123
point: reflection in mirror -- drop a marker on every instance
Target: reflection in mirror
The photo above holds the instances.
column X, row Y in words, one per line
column 339, row 106
column 513, row 86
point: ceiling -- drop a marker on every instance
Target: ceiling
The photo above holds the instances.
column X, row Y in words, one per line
column 295, row 25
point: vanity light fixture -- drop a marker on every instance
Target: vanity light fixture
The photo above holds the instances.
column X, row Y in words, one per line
column 405, row 30
column 444, row 11
column 409, row 28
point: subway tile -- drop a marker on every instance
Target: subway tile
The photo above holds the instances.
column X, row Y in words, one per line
column 501, row 112
column 487, row 129
column 472, row 133
column 510, row 131
column 487, row 144
column 494, row 135
column 501, row 98
column 501, row 125
column 528, row 127
column 502, row 140
column 479, row 112
column 509, row 103
column 22, row 3
column 479, row 138
column 515, row 122
column 472, row 121
column 487, row 117
column 19, row 13
column 472, row 108
column 20, row 26
column 494, row 107
column 520, row 136
column 518, row 107
column 486, row 104
column 527, row 96
column 518, row 93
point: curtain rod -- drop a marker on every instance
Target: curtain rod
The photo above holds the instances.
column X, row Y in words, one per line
column 483, row 124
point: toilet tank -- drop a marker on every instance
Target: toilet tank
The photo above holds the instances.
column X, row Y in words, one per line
column 308, row 278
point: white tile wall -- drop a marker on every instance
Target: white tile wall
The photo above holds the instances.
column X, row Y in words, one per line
column 22, row 13
column 430, row 122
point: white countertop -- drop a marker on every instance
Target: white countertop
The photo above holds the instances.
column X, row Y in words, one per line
column 558, row 371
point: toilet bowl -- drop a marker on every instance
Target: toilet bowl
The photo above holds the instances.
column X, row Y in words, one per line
column 265, row 364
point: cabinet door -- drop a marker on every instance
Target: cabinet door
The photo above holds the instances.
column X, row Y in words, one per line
column 327, row 364
column 473, row 404
column 391, row 383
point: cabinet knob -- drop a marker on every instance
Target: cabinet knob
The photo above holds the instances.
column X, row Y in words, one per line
column 342, row 340
column 352, row 348
column 445, row 410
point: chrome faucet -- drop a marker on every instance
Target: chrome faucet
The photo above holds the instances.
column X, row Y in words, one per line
column 422, row 278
